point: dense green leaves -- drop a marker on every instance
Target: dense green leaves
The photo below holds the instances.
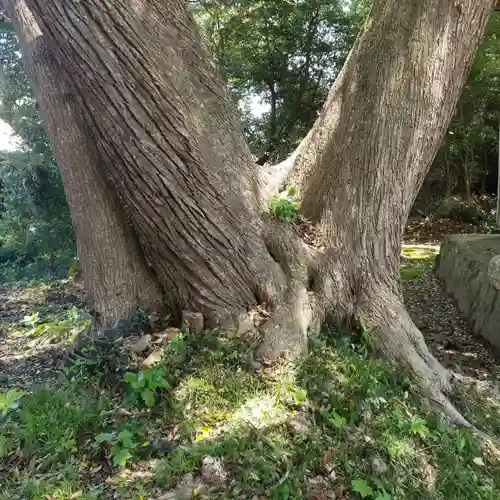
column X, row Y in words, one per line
column 34, row 218
column 279, row 59
column 468, row 159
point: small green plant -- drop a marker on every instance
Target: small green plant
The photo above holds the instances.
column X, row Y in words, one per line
column 419, row 426
column 10, row 401
column 337, row 420
column 285, row 207
column 143, row 386
column 31, row 320
column 366, row 490
column 123, row 445
column 73, row 320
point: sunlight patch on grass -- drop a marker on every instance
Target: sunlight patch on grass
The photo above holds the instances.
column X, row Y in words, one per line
column 363, row 426
column 416, row 261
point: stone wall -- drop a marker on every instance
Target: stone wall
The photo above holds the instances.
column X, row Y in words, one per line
column 462, row 265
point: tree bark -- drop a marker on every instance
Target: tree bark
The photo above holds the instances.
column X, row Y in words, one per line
column 363, row 163
column 172, row 149
column 117, row 278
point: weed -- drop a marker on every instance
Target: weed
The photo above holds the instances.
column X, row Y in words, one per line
column 285, row 207
column 143, row 386
column 123, row 445
column 366, row 431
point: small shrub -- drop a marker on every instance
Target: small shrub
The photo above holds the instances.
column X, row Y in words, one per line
column 285, row 207
column 143, row 386
column 122, row 444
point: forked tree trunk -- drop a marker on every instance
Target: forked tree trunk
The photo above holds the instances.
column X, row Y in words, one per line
column 117, row 278
column 172, row 149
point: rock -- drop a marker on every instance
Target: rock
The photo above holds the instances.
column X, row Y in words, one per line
column 142, row 344
column 299, row 423
column 213, row 471
column 167, row 335
column 184, row 490
column 154, row 358
column 193, row 321
column 378, row 465
column 157, row 448
column 494, row 272
column 469, row 268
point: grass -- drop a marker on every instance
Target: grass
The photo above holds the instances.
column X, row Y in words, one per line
column 364, row 432
column 416, row 261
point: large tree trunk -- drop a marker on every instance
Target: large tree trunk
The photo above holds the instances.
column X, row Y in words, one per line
column 360, row 168
column 117, row 279
column 172, row 149
column 170, row 144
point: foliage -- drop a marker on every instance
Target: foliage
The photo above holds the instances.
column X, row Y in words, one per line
column 357, row 409
column 281, row 56
column 467, row 161
column 285, row 207
column 123, row 445
column 72, row 320
column 143, row 386
column 35, row 224
column 10, row 401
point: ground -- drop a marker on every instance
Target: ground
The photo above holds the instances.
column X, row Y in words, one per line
column 338, row 424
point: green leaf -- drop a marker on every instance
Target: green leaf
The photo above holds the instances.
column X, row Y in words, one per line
column 149, row 397
column 131, row 379
column 126, row 438
column 121, row 458
column 10, row 400
column 4, row 446
column 362, row 487
column 105, row 437
column 336, row 420
column 299, row 396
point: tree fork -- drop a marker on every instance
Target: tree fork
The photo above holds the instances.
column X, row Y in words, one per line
column 173, row 150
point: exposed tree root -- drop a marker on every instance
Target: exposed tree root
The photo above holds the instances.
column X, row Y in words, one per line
column 399, row 338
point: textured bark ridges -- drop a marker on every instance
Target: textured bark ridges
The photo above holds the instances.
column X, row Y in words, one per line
column 170, row 145
column 117, row 278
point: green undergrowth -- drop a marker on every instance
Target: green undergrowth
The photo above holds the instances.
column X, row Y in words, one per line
column 416, row 261
column 339, row 420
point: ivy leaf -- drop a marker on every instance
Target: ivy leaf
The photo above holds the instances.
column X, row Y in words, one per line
column 149, row 397
column 121, row 458
column 362, row 487
column 126, row 439
column 105, row 437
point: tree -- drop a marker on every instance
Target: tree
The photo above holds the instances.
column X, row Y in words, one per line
column 35, row 220
column 468, row 161
column 143, row 102
column 286, row 54
column 117, row 278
